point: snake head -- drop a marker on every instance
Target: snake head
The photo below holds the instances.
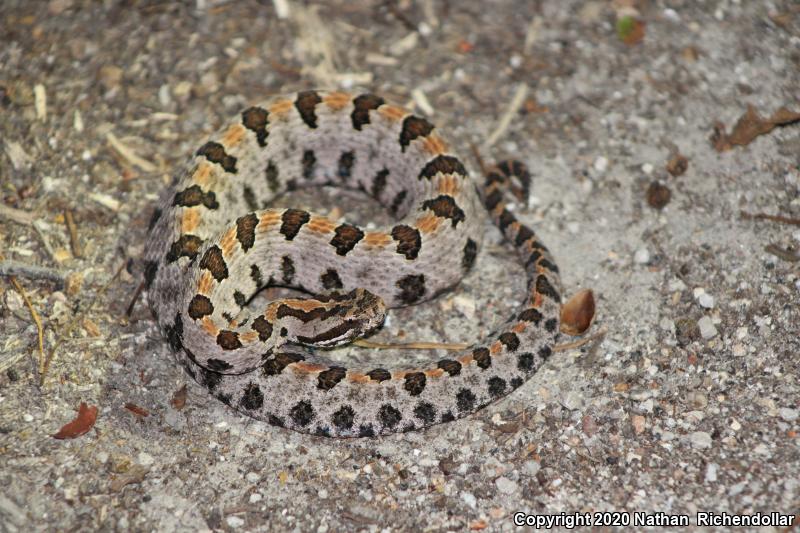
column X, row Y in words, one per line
column 333, row 319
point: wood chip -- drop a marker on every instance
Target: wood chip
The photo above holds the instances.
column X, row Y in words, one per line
column 129, row 155
column 422, row 101
column 18, row 156
column 105, row 200
column 40, row 101
column 16, row 215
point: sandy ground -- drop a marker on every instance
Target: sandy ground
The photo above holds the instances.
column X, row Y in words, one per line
column 686, row 398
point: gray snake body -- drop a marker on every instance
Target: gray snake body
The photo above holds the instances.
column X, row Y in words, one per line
column 213, row 243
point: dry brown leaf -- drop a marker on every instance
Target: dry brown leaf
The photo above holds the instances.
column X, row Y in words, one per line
column 578, row 312
column 749, row 126
column 80, row 425
column 179, row 398
column 658, row 195
column 677, row 165
column 138, row 411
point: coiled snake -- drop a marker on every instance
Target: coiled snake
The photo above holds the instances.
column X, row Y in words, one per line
column 213, row 244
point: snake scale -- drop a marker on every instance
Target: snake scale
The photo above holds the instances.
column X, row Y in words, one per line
column 213, row 243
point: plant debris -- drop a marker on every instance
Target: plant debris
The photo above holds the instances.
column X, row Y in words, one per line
column 578, row 312
column 87, row 415
column 749, row 126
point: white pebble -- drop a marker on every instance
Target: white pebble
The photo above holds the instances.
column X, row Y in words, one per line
column 711, row 472
column 647, row 168
column 27, row 417
column 601, row 164
column 700, row 439
column 234, row 521
column 707, row 329
column 642, row 256
column 322, row 493
column 505, row 485
column 469, row 499
column 252, row 477
column 790, row 415
column 706, row 300
column 255, row 497
column 145, row 459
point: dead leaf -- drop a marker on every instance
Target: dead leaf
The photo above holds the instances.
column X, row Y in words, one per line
column 630, row 30
column 677, row 165
column 578, row 312
column 179, row 398
column 80, row 425
column 138, row 411
column 749, row 126
column 658, row 195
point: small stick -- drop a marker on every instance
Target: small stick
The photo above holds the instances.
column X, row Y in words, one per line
column 476, row 153
column 134, row 299
column 774, row 218
column 15, row 268
column 17, row 215
column 35, row 317
column 74, row 242
column 505, row 120
column 577, row 344
column 410, row 345
column 777, row 251
column 129, row 154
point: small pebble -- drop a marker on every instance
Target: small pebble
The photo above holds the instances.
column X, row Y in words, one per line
column 234, row 521
column 27, row 417
column 642, row 256
column 532, row 467
column 505, row 485
column 711, row 472
column 700, row 439
column 145, row 459
column 707, row 329
column 469, row 499
column 256, row 497
column 601, row 164
column 703, row 298
column 252, row 477
column 789, row 415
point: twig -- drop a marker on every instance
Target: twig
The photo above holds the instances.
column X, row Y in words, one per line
column 17, row 215
column 37, row 226
column 786, row 255
column 774, row 218
column 505, row 120
column 134, row 299
column 15, row 268
column 577, row 344
column 476, row 153
column 75, row 319
column 129, row 155
column 75, row 243
column 35, row 317
column 410, row 345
